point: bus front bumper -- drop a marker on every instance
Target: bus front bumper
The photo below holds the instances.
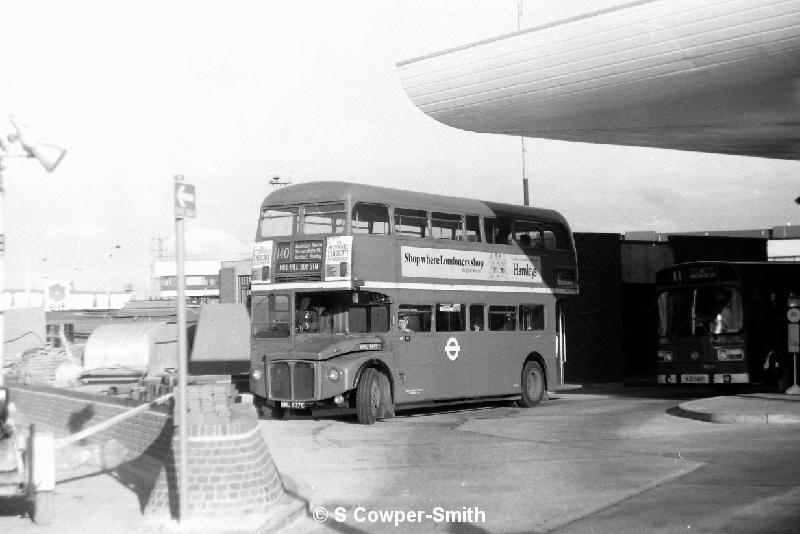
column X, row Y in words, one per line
column 704, row 378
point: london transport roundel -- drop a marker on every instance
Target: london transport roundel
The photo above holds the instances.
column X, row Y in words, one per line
column 452, row 348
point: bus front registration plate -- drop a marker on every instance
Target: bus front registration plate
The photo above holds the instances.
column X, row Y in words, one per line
column 300, row 405
column 694, row 379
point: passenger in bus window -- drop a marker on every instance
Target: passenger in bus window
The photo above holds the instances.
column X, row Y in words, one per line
column 402, row 323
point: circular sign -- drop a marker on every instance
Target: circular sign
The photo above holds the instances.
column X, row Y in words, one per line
column 793, row 314
column 452, row 349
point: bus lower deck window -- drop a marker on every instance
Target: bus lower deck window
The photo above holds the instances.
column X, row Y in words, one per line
column 451, row 317
column 476, row 320
column 502, row 318
column 531, row 317
column 418, row 316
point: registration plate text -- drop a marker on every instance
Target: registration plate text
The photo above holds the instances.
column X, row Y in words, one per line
column 694, row 379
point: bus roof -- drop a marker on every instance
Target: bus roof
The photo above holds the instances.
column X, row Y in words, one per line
column 774, row 272
column 331, row 191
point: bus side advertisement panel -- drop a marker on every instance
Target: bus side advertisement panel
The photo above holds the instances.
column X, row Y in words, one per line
column 418, row 262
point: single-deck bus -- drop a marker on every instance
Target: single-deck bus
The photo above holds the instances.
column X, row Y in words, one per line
column 725, row 323
column 372, row 298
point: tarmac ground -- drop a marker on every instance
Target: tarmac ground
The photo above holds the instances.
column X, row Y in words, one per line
column 91, row 499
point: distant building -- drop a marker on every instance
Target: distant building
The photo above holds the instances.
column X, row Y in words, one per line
column 67, row 300
column 201, row 278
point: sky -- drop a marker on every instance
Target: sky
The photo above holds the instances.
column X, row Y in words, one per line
column 231, row 94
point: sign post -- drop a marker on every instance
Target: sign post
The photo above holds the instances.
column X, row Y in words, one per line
column 184, row 207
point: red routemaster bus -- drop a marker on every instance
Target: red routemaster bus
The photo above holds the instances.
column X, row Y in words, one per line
column 725, row 323
column 372, row 298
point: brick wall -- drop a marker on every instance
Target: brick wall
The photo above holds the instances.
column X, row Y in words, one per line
column 230, row 470
column 66, row 412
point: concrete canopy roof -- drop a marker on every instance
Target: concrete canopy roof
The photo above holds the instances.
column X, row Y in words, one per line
column 715, row 76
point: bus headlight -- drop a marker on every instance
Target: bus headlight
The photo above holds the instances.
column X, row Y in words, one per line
column 664, row 356
column 728, row 355
column 333, row 374
column 256, row 374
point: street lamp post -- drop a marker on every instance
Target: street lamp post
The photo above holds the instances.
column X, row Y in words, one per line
column 108, row 273
column 48, row 156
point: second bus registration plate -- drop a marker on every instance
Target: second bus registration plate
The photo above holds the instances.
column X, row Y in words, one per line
column 694, row 379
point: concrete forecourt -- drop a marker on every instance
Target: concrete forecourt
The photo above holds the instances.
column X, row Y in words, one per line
column 594, row 460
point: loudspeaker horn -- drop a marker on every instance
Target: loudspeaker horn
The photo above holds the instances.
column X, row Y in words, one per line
column 49, row 156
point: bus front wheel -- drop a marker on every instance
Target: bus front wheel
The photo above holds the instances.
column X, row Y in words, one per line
column 273, row 411
column 532, row 385
column 369, row 396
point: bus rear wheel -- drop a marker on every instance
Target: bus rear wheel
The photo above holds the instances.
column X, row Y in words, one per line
column 369, row 396
column 532, row 385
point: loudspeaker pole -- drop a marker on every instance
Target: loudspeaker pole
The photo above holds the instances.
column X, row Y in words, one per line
column 48, row 156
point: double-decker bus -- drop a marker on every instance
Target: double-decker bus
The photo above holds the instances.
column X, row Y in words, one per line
column 371, row 298
column 725, row 323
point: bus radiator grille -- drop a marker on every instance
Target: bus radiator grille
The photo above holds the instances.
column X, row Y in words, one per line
column 292, row 381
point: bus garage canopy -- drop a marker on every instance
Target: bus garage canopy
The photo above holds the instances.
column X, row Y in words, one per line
column 715, row 76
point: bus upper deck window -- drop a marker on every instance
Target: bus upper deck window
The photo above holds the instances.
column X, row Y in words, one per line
column 411, row 222
column 473, row 228
column 279, row 221
column 497, row 230
column 528, row 234
column 370, row 219
column 447, row 226
column 326, row 218
column 555, row 237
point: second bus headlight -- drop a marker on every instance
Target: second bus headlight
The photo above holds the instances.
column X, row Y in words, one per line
column 664, row 355
column 333, row 374
column 727, row 355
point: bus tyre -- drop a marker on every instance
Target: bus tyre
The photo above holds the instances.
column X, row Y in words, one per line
column 273, row 411
column 532, row 385
column 369, row 396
